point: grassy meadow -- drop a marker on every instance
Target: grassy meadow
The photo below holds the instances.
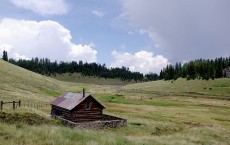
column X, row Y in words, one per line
column 161, row 112
column 78, row 78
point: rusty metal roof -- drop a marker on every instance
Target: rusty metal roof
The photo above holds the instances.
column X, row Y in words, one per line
column 69, row 100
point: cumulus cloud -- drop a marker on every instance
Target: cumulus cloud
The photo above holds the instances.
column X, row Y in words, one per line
column 44, row 39
column 43, row 7
column 141, row 61
column 188, row 29
column 83, row 52
column 98, row 13
column 18, row 56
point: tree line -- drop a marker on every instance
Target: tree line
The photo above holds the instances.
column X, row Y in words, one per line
column 45, row 67
column 197, row 69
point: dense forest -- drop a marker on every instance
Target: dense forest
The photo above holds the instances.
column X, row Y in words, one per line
column 46, row 67
column 197, row 69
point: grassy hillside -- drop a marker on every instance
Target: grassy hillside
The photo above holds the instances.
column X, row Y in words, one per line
column 218, row 88
column 78, row 78
column 18, row 83
column 182, row 112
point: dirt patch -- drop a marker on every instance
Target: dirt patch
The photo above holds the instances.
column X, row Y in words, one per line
column 117, row 88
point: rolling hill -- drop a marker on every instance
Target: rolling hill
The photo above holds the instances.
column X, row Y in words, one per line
column 159, row 112
column 78, row 78
column 19, row 83
column 218, row 88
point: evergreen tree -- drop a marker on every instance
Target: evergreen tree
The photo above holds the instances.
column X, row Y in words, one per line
column 161, row 75
column 5, row 56
column 219, row 68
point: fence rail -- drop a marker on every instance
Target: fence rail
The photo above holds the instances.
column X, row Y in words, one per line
column 36, row 105
column 25, row 103
column 15, row 104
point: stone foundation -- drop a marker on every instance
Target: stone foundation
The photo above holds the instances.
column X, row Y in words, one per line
column 106, row 122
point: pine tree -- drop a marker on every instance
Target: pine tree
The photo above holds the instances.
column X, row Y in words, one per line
column 5, row 57
column 191, row 70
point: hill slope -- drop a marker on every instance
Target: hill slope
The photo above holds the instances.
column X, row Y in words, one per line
column 218, row 88
column 19, row 83
column 78, row 78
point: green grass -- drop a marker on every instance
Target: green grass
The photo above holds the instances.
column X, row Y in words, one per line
column 18, row 83
column 160, row 112
column 25, row 118
column 51, row 92
column 218, row 88
column 122, row 100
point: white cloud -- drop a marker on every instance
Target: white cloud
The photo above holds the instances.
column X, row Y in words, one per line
column 98, row 13
column 9, row 48
column 44, row 39
column 18, row 56
column 83, row 52
column 43, row 7
column 186, row 29
column 6, row 47
column 141, row 61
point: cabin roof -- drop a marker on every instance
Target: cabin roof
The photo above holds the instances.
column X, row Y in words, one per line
column 70, row 100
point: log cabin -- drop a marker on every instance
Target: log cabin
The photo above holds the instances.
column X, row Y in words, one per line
column 77, row 107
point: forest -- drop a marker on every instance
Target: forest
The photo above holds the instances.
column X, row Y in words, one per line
column 196, row 69
column 46, row 67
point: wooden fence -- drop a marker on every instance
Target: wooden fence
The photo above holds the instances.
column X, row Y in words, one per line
column 15, row 104
column 25, row 103
column 35, row 105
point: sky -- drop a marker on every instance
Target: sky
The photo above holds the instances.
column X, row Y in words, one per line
column 143, row 35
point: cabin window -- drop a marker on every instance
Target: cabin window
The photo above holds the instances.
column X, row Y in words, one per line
column 58, row 112
column 88, row 105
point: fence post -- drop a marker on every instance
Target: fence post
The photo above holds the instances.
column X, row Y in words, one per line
column 19, row 103
column 1, row 105
column 13, row 104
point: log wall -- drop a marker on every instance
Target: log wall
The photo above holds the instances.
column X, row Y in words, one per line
column 58, row 111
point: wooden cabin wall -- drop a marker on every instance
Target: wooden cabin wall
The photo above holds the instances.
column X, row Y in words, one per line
column 64, row 112
column 81, row 114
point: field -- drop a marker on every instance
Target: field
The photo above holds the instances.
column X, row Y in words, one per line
column 78, row 78
column 162, row 112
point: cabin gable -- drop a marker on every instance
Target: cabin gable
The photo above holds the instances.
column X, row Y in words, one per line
column 84, row 110
column 87, row 110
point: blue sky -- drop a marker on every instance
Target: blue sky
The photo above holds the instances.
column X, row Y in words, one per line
column 144, row 35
